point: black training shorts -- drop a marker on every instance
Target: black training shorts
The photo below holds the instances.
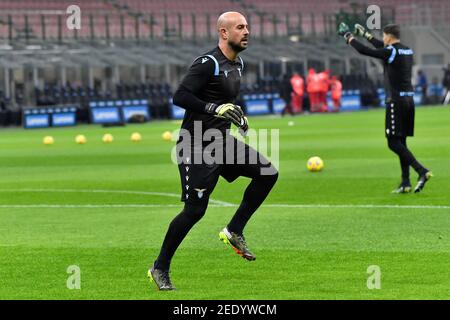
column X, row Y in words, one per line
column 198, row 180
column 400, row 117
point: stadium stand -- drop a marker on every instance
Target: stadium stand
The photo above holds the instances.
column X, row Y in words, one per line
column 152, row 18
column 139, row 49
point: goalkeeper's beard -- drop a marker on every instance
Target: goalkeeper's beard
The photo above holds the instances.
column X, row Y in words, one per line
column 236, row 47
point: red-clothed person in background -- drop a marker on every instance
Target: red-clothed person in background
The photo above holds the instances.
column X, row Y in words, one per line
column 298, row 91
column 313, row 89
column 336, row 93
column 324, row 85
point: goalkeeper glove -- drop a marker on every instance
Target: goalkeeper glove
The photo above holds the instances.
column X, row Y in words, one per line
column 344, row 31
column 243, row 128
column 361, row 31
column 227, row 111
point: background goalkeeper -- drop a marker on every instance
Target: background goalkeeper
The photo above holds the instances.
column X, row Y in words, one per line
column 399, row 123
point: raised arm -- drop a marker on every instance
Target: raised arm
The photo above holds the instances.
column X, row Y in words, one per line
column 361, row 31
column 386, row 54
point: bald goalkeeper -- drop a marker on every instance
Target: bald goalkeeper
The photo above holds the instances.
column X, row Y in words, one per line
column 208, row 93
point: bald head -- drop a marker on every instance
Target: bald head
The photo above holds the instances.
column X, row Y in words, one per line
column 233, row 31
column 228, row 19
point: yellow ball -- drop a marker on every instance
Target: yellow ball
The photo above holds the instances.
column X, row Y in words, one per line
column 315, row 164
column 136, row 137
column 48, row 140
column 80, row 139
column 107, row 138
column 167, row 136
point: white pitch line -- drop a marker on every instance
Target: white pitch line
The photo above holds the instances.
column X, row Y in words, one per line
column 361, row 206
column 87, row 206
column 305, row 206
column 145, row 193
column 214, row 203
column 93, row 206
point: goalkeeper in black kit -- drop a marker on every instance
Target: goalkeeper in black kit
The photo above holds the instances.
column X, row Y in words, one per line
column 399, row 124
column 208, row 93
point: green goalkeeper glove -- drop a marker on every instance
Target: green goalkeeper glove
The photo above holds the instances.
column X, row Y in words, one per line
column 344, row 31
column 227, row 111
column 361, row 31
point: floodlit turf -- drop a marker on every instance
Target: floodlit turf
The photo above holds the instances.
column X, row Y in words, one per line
column 105, row 208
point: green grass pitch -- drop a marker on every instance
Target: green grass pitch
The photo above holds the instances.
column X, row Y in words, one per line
column 105, row 208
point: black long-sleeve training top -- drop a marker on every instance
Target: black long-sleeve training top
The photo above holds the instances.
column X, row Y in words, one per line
column 212, row 78
column 398, row 63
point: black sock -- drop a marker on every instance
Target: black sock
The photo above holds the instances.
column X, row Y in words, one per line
column 405, row 166
column 405, row 172
column 406, row 157
column 254, row 196
column 178, row 229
